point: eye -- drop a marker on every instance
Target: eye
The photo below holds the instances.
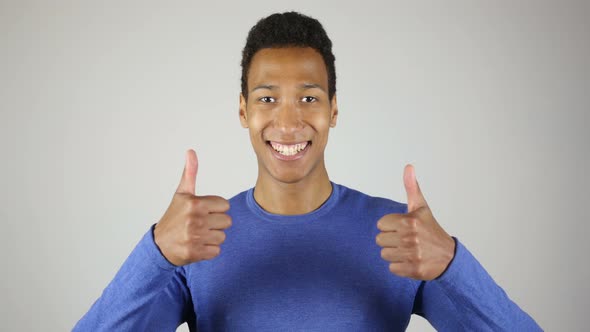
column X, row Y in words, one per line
column 267, row 99
column 309, row 99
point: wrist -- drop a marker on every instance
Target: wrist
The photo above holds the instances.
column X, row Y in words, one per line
column 451, row 250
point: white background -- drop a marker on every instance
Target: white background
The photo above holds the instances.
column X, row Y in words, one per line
column 100, row 100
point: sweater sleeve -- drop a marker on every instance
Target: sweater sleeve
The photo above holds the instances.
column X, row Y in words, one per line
column 466, row 298
column 148, row 293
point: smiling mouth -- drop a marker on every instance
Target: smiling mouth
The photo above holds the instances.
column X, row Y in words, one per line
column 289, row 150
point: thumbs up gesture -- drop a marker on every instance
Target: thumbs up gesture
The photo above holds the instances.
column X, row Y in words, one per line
column 414, row 243
column 192, row 229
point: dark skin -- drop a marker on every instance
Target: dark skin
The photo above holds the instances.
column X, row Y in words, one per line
column 192, row 229
column 288, row 114
column 288, row 103
column 414, row 244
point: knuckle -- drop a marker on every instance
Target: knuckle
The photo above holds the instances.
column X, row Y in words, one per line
column 187, row 222
column 416, row 257
column 185, row 239
column 410, row 240
column 196, row 238
column 198, row 222
column 194, row 203
column 412, row 223
column 180, row 198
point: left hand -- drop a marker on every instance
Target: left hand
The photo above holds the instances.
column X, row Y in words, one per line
column 414, row 243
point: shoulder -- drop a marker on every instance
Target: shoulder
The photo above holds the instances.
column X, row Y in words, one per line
column 240, row 197
column 357, row 199
column 239, row 201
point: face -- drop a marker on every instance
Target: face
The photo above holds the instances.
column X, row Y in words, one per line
column 288, row 112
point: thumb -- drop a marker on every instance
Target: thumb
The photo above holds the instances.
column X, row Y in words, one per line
column 415, row 198
column 189, row 175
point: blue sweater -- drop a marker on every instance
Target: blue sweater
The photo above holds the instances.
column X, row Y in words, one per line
column 321, row 271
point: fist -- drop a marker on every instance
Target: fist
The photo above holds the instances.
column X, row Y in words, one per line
column 193, row 227
column 414, row 244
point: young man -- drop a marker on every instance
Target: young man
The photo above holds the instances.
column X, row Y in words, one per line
column 303, row 253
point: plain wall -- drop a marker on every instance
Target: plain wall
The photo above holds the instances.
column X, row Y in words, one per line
column 100, row 100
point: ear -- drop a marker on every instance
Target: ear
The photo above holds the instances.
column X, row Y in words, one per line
column 333, row 112
column 243, row 112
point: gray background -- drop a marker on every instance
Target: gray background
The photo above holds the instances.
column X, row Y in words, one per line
column 99, row 101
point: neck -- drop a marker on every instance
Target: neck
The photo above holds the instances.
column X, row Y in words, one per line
column 295, row 198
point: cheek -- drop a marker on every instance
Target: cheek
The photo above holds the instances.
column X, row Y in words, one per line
column 320, row 123
column 256, row 124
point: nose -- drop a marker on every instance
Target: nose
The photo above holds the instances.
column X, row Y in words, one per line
column 288, row 118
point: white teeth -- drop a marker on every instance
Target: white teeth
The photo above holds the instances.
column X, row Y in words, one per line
column 288, row 150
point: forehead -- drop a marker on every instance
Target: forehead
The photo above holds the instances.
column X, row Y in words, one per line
column 285, row 65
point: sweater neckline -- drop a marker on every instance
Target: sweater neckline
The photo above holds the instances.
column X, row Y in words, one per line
column 264, row 215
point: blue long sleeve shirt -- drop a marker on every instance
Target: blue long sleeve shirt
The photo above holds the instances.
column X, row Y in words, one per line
column 320, row 271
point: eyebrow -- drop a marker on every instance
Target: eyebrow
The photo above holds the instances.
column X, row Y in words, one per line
column 304, row 86
column 264, row 86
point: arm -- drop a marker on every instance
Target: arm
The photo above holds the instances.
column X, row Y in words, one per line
column 456, row 293
column 465, row 297
column 148, row 293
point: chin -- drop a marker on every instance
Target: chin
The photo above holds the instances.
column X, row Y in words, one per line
column 288, row 177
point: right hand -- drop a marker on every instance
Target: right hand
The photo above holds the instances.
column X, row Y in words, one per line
column 192, row 229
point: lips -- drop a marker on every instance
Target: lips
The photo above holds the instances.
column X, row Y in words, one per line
column 289, row 151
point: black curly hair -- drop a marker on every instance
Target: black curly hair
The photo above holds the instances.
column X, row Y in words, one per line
column 289, row 29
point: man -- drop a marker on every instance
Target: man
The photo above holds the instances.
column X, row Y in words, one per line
column 303, row 253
